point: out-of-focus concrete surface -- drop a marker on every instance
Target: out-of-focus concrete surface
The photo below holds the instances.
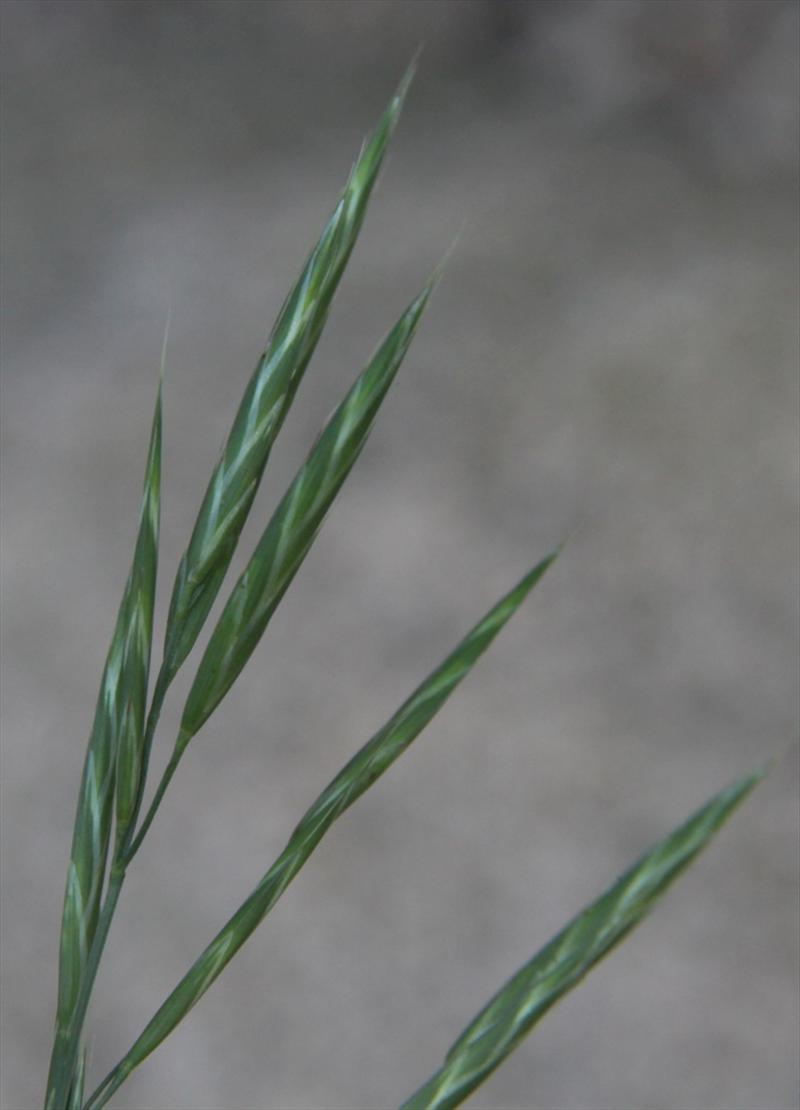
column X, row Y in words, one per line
column 614, row 346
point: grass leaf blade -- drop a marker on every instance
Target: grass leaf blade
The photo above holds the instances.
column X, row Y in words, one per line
column 294, row 525
column 113, row 749
column 267, row 400
column 353, row 780
column 560, row 965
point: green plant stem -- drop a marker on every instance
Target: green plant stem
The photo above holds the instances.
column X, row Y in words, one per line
column 107, row 1089
column 122, row 853
column 169, row 771
column 67, row 1042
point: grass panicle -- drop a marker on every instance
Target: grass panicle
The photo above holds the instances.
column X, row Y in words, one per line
column 500, row 1027
column 116, row 765
column 356, row 777
column 113, row 753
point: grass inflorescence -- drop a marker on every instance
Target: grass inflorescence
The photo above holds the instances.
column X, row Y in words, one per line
column 109, row 826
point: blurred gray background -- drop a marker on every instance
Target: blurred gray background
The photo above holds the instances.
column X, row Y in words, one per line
column 614, row 347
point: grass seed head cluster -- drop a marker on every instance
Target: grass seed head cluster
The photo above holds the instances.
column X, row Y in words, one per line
column 109, row 825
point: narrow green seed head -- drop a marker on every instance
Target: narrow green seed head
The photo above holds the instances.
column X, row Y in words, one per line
column 267, row 400
column 295, row 523
column 504, row 1022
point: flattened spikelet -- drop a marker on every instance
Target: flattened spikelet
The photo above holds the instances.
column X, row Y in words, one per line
column 267, row 400
column 560, row 965
column 293, row 526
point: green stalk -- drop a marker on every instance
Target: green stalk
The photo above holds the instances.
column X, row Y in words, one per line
column 127, row 855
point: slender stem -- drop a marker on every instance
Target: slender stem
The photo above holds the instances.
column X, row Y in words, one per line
column 130, row 851
column 101, row 1095
column 65, row 1049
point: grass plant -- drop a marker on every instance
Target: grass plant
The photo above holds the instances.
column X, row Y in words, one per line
column 110, row 827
